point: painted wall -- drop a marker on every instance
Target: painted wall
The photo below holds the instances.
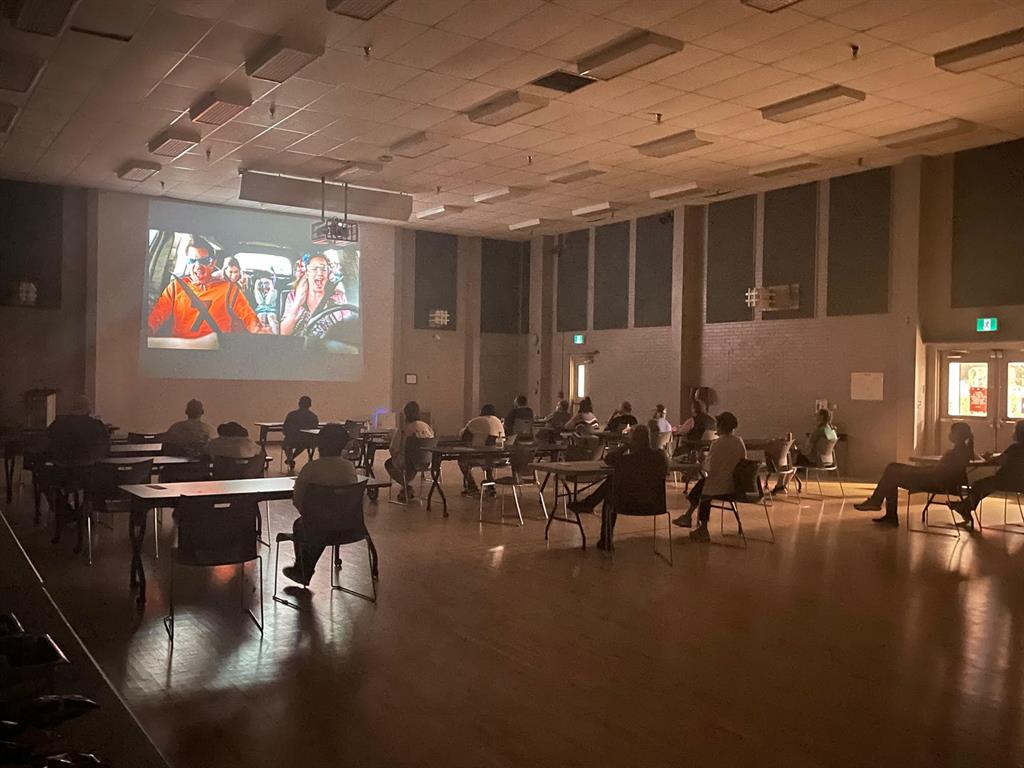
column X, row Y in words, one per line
column 116, row 257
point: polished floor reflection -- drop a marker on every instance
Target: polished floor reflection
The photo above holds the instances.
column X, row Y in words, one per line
column 840, row 645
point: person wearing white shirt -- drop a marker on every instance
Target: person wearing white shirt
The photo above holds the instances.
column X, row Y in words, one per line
column 482, row 430
column 718, row 482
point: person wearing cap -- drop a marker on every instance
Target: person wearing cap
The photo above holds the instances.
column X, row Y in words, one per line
column 295, row 440
column 329, row 468
column 232, row 442
column 191, row 435
column 199, row 303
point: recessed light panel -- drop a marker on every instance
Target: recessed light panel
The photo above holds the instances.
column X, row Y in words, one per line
column 783, row 167
column 813, row 103
column 417, row 145
column 137, row 170
column 519, row 226
column 692, row 189
column 278, row 61
column 437, row 212
column 212, row 109
column 769, row 6
column 506, row 107
column 926, row 133
column 627, row 54
column 173, row 142
column 981, row 53
column 673, row 145
column 576, row 172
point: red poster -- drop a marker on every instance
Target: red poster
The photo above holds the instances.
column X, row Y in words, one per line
column 979, row 401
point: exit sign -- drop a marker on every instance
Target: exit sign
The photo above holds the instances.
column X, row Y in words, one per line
column 579, row 338
column 988, row 324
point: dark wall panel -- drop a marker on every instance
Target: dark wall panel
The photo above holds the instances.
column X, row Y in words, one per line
column 652, row 304
column 988, row 226
column 730, row 269
column 790, row 244
column 505, row 286
column 436, row 280
column 611, row 276
column 572, row 281
column 858, row 243
column 30, row 258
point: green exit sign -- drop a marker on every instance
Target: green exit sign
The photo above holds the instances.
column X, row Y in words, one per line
column 988, row 324
column 578, row 338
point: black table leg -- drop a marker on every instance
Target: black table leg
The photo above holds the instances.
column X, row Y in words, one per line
column 263, row 437
column 9, row 461
column 435, row 483
column 137, row 534
column 570, row 495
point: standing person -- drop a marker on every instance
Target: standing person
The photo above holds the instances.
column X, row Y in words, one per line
column 950, row 472
column 232, row 442
column 1008, row 478
column 330, row 468
column 315, row 304
column 190, row 436
column 295, row 440
column 200, row 304
column 638, row 476
column 622, row 419
column 719, row 467
column 485, row 429
column 522, row 413
column 584, row 417
column 414, row 427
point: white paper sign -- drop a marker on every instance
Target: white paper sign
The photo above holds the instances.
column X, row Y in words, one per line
column 867, row 386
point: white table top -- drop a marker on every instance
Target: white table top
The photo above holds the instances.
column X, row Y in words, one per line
column 137, row 449
column 259, row 486
column 158, row 461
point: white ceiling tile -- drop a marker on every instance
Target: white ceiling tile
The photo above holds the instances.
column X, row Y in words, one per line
column 465, row 96
column 382, row 34
column 476, row 59
column 591, row 33
column 426, row 87
column 430, row 48
column 230, row 42
column 541, row 25
column 714, row 71
column 482, row 18
column 428, row 13
column 523, row 69
column 169, row 31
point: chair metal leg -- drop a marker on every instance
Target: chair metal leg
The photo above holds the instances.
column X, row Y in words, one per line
column 156, row 532
column 519, row 509
column 169, row 619
column 371, row 554
column 769, row 519
column 245, row 607
column 88, row 533
column 842, row 490
column 277, row 570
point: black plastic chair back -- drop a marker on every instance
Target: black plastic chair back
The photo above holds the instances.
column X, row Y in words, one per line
column 417, row 453
column 106, row 478
column 776, row 454
column 354, row 428
column 185, row 473
column 216, row 532
column 334, row 514
column 522, row 430
column 231, row 468
column 136, row 438
column 521, row 459
column 746, row 477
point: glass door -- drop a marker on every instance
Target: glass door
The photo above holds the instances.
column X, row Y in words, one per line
column 1012, row 400
column 970, row 384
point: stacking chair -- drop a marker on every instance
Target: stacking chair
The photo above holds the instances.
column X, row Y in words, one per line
column 332, row 516
column 213, row 533
column 778, row 463
column 418, row 461
column 960, row 492
column 747, row 480
column 522, row 431
column 522, row 476
column 625, row 502
column 105, row 494
column 1007, row 526
column 827, row 464
column 231, row 468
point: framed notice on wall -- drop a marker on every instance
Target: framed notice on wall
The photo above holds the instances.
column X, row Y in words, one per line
column 867, row 386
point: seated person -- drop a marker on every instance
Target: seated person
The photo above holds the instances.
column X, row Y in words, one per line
column 295, row 440
column 718, row 483
column 481, row 430
column 555, row 422
column 622, row 419
column 1009, row 477
column 330, row 468
column 639, row 476
column 944, row 476
column 699, row 423
column 584, row 421
column 818, row 450
column 414, row 427
column 77, row 439
column 523, row 414
column 189, row 437
column 232, row 442
column 661, row 430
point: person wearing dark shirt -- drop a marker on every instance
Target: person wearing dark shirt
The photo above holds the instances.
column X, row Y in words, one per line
column 1009, row 477
column 523, row 414
column 622, row 418
column 77, row 439
column 944, row 476
column 295, row 440
column 699, row 423
column 584, row 421
column 638, row 478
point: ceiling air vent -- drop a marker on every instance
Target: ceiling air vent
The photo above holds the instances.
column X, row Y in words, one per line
column 563, row 81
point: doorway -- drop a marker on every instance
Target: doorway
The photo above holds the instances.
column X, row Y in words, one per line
column 985, row 388
column 579, row 376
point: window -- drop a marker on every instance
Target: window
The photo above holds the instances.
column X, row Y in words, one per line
column 968, row 389
column 581, row 380
column 1015, row 391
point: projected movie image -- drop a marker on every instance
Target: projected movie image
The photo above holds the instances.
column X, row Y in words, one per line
column 240, row 294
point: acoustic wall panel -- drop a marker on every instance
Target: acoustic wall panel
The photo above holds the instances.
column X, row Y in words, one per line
column 572, row 281
column 652, row 304
column 505, row 286
column 790, row 245
column 611, row 276
column 436, row 281
column 730, row 266
column 858, row 243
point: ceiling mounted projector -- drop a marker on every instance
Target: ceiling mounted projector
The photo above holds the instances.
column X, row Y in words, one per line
column 334, row 231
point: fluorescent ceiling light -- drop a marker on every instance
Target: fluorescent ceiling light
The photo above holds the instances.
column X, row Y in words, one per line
column 628, row 54
column 813, row 103
column 356, row 169
column 278, row 61
column 576, row 172
column 417, row 145
column 43, row 17
column 526, row 224
column 212, row 109
column 981, row 53
column 782, row 167
column 173, row 142
column 672, row 145
column 497, row 195
column 19, row 71
column 595, row 211
column 505, row 107
column 437, row 212
column 692, row 189
column 358, row 9
column 925, row 133
column 769, row 6
column 8, row 112
column 137, row 170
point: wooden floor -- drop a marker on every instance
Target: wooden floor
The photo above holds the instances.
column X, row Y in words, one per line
column 840, row 645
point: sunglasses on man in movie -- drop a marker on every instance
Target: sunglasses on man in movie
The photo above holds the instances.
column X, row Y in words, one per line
column 204, row 260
